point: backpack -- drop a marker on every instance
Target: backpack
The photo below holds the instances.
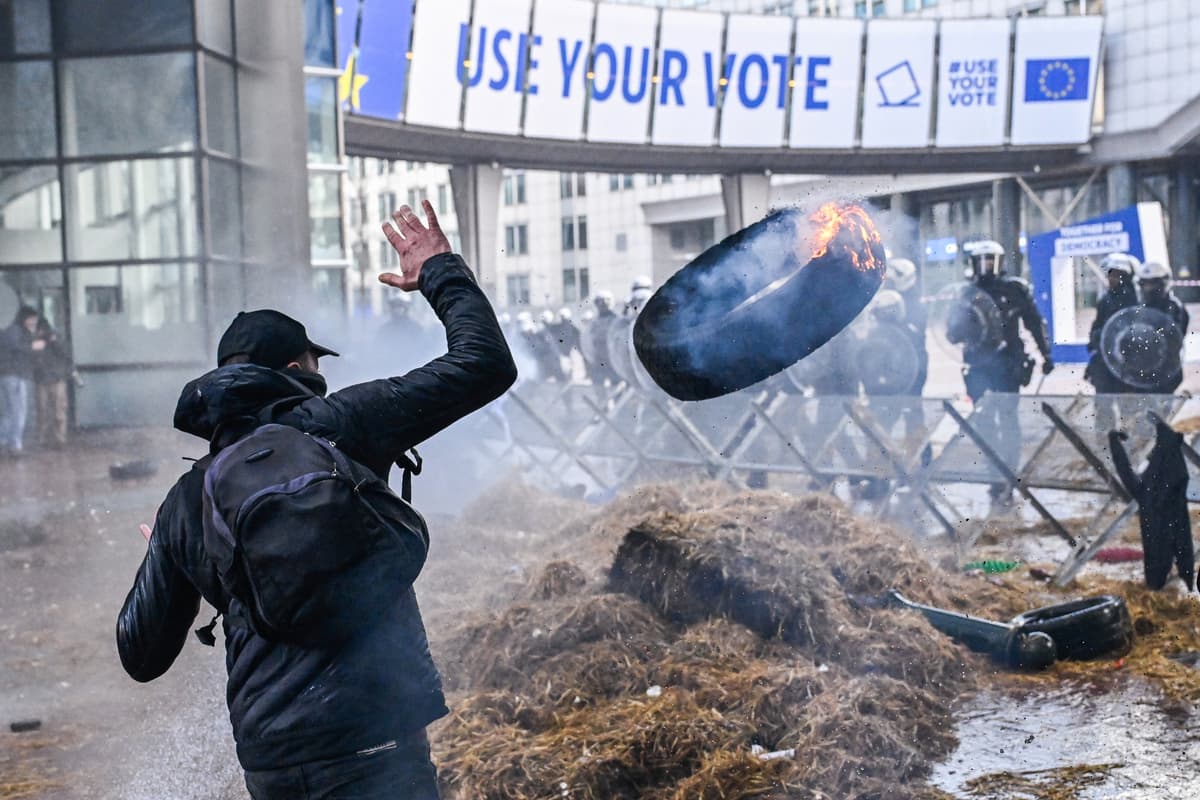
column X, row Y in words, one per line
column 313, row 545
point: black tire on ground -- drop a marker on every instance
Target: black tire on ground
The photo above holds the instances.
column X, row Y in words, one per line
column 1083, row 629
column 133, row 470
column 748, row 307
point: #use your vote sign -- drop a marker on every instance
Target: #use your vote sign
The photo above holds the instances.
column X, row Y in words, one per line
column 574, row 69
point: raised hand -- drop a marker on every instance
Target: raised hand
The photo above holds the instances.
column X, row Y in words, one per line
column 414, row 243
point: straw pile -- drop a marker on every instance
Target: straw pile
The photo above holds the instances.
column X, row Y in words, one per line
column 24, row 771
column 726, row 622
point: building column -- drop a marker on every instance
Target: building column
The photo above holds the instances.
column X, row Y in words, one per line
column 906, row 238
column 1183, row 242
column 272, row 129
column 1006, row 222
column 1122, row 186
column 747, row 199
column 476, row 190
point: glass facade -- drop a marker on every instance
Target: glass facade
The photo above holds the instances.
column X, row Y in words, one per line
column 120, row 184
column 326, row 167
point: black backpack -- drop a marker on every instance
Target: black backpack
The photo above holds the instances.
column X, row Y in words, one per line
column 313, row 545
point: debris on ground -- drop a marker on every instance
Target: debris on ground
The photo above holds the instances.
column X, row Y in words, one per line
column 24, row 769
column 738, row 610
column 1064, row 783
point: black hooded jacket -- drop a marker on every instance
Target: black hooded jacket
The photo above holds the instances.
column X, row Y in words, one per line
column 291, row 705
column 1161, row 493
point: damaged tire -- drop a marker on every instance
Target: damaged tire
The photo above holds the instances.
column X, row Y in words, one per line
column 1082, row 629
column 754, row 304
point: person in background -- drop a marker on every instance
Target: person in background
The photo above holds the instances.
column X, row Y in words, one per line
column 1118, row 269
column 52, row 368
column 1000, row 366
column 18, row 343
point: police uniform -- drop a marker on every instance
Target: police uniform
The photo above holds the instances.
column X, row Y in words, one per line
column 1004, row 368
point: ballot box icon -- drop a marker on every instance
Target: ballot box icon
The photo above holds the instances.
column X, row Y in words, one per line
column 898, row 86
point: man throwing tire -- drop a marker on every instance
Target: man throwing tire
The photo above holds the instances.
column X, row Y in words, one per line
column 313, row 722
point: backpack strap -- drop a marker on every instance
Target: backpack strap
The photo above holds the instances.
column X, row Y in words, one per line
column 410, row 466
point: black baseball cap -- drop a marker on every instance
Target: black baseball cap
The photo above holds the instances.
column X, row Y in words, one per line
column 268, row 338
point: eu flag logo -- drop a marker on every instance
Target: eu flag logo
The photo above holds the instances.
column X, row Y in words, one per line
column 1052, row 80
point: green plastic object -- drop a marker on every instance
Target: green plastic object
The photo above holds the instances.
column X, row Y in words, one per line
column 991, row 566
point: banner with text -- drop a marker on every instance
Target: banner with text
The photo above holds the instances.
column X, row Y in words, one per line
column 568, row 69
column 973, row 83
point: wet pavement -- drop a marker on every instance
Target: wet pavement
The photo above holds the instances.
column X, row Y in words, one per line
column 1156, row 753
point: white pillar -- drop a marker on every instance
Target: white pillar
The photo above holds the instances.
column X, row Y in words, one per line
column 747, row 199
column 476, row 189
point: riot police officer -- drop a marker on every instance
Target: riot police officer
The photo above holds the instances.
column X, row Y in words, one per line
column 901, row 277
column 1118, row 269
column 1154, row 289
column 639, row 292
column 996, row 363
column 594, row 343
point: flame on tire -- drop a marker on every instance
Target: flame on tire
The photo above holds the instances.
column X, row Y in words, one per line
column 845, row 230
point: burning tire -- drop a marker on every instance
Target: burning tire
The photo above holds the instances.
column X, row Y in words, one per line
column 759, row 301
column 1083, row 629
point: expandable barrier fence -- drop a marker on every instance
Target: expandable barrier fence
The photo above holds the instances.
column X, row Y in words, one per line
column 911, row 460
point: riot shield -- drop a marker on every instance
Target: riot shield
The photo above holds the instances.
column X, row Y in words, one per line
column 1141, row 346
column 593, row 343
column 622, row 356
column 966, row 317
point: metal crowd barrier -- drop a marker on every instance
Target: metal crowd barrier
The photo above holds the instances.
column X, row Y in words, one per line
column 911, row 453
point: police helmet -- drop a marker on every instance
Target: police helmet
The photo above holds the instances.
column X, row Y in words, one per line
column 1153, row 271
column 603, row 299
column 888, row 306
column 986, row 256
column 641, row 283
column 901, row 274
column 548, row 317
column 565, row 314
column 1120, row 262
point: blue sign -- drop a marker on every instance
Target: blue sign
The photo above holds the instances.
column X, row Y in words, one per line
column 373, row 38
column 1118, row 232
column 1053, row 80
column 898, row 86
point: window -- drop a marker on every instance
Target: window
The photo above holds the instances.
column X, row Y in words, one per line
column 581, row 185
column 387, row 204
column 568, row 233
column 516, row 240
column 388, row 257
column 318, row 33
column 27, row 108
column 575, row 285
column 518, row 289
column 570, row 288
column 574, row 233
column 622, row 243
column 102, row 300
column 627, row 181
column 860, row 8
column 109, row 25
column 910, row 5
column 443, row 198
column 30, row 214
column 381, row 166
column 878, row 8
column 614, row 182
column 566, row 187
column 131, row 209
column 110, row 109
column 514, row 189
column 415, row 196
column 678, row 237
column 928, row 3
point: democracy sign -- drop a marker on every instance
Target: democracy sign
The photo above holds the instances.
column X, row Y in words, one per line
column 633, row 74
